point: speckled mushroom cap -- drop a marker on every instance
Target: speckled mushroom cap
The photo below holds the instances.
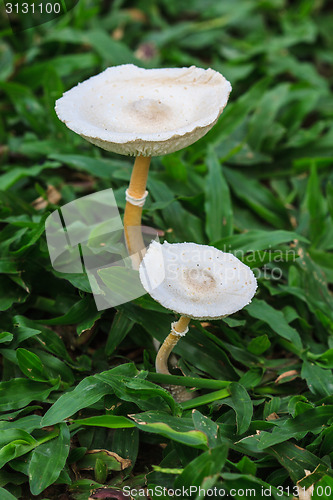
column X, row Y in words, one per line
column 197, row 281
column 148, row 112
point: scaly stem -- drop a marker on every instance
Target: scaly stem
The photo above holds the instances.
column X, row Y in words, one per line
column 179, row 393
column 133, row 213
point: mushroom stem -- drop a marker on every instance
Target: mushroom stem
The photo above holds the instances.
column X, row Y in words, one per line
column 133, row 212
column 165, row 350
column 179, row 329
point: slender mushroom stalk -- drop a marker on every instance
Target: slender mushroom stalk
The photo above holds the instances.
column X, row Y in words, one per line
column 135, row 199
column 178, row 330
column 197, row 281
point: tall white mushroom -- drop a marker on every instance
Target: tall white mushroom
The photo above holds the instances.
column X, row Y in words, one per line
column 196, row 281
column 144, row 113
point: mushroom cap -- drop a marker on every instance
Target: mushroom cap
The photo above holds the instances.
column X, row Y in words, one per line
column 197, row 281
column 149, row 112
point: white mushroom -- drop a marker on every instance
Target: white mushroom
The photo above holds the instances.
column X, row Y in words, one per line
column 196, row 281
column 147, row 112
column 144, row 112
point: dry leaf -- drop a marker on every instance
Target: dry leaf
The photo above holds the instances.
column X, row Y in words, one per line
column 305, row 494
column 290, row 373
column 124, row 462
column 53, row 196
column 272, row 416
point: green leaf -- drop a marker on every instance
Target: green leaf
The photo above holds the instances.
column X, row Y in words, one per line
column 86, row 393
column 5, row 337
column 48, row 460
column 259, row 309
column 180, row 430
column 255, row 239
column 206, row 465
column 141, row 392
column 207, row 426
column 314, row 207
column 97, row 167
column 219, row 215
column 31, row 365
column 320, row 381
column 295, row 459
column 322, row 487
column 5, row 495
column 259, row 345
column 258, row 198
column 19, row 392
column 109, row 421
column 117, row 280
column 265, row 113
column 310, row 420
column 241, row 402
column 120, row 327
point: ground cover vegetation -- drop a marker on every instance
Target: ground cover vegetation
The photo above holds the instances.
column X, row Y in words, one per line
column 81, row 405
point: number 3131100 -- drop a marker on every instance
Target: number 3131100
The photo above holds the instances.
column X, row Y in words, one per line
column 32, row 8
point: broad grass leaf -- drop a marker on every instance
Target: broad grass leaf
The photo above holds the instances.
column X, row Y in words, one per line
column 19, row 443
column 109, row 421
column 314, row 208
column 19, row 392
column 10, row 293
column 206, row 465
column 120, row 327
column 295, row 459
column 180, row 430
column 126, row 442
column 6, row 495
column 47, row 461
column 27, row 424
column 218, row 208
column 185, row 225
column 323, row 486
column 261, row 310
column 83, row 312
column 265, row 113
column 28, row 108
column 324, row 360
column 5, row 337
column 207, row 426
column 241, row 403
column 116, row 280
column 236, row 112
column 319, row 380
column 309, row 421
column 87, row 392
column 259, row 198
column 256, row 239
column 14, row 175
column 143, row 393
column 98, row 167
column 259, row 345
column 31, row 365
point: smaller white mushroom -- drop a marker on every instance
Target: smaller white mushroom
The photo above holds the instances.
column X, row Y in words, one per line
column 197, row 281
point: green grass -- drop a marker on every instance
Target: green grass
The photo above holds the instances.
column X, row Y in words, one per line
column 76, row 380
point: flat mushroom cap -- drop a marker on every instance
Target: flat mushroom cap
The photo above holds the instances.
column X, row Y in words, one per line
column 197, row 281
column 148, row 112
